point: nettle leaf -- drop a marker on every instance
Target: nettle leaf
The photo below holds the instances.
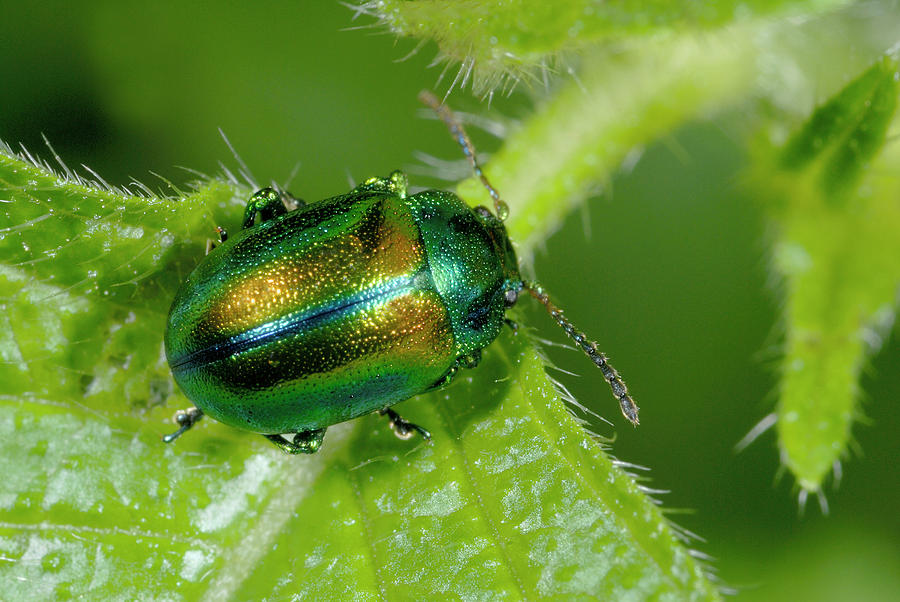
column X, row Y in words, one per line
column 498, row 41
column 85, row 271
column 512, row 499
column 837, row 247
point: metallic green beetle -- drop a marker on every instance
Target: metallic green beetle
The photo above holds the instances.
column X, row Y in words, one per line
column 347, row 306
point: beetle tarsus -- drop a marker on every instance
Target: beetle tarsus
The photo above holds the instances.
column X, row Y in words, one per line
column 223, row 236
column 514, row 326
column 267, row 203
column 185, row 419
column 403, row 429
column 304, row 442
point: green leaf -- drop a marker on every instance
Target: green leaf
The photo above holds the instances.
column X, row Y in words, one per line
column 834, row 201
column 512, row 499
column 493, row 40
column 84, row 275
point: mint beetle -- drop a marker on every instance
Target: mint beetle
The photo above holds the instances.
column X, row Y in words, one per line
column 348, row 306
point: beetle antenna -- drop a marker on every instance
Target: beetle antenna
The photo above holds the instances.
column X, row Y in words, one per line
column 459, row 133
column 629, row 407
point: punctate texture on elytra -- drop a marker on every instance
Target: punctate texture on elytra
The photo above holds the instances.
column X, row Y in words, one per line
column 340, row 308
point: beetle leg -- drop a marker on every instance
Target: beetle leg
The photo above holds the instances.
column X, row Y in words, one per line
column 267, row 203
column 472, row 360
column 304, row 442
column 223, row 236
column 403, row 429
column 512, row 325
column 185, row 419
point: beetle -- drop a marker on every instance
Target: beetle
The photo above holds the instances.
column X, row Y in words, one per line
column 346, row 306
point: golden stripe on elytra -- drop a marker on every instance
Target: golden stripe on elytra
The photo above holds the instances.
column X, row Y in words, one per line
column 404, row 330
column 319, row 274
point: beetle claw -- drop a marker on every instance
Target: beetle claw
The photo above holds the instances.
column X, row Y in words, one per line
column 304, row 442
column 185, row 419
column 403, row 429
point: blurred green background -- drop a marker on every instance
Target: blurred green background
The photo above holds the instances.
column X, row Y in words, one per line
column 668, row 267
